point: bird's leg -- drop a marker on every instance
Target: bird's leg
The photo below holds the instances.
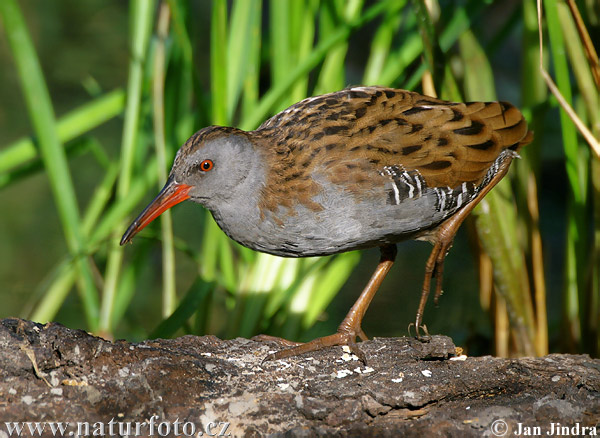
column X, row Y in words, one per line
column 443, row 238
column 350, row 328
column 434, row 268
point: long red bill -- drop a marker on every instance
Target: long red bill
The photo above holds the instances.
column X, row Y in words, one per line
column 171, row 194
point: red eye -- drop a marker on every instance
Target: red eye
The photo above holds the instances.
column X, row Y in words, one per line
column 206, row 165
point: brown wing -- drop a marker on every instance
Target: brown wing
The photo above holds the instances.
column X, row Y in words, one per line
column 354, row 131
column 454, row 143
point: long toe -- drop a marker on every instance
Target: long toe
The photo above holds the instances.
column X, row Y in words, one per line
column 319, row 344
column 280, row 341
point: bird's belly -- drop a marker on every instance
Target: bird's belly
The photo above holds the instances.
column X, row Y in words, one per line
column 343, row 224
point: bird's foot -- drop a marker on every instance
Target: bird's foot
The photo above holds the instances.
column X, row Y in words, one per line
column 340, row 338
column 418, row 327
column 350, row 328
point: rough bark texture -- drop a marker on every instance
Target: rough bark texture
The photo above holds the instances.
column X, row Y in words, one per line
column 52, row 373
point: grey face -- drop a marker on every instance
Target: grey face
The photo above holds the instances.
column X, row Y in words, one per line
column 216, row 168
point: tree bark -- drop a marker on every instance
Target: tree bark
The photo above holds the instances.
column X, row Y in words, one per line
column 407, row 388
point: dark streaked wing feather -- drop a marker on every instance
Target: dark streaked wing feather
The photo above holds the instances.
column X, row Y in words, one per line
column 355, row 133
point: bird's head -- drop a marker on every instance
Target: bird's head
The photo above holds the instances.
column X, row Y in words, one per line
column 208, row 169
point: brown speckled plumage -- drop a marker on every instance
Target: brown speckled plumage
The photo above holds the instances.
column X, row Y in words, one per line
column 359, row 168
column 356, row 130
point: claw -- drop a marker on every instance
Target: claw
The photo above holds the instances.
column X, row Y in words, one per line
column 418, row 336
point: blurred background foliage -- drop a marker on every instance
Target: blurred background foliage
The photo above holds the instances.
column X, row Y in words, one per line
column 97, row 96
